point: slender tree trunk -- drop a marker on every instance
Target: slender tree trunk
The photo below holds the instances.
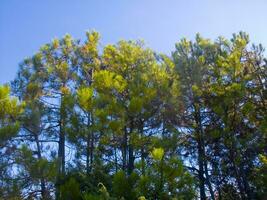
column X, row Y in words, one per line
column 36, row 132
column 201, row 155
column 61, row 160
column 131, row 153
column 91, row 151
column 61, row 153
column 124, row 150
column 116, row 160
column 88, row 154
column 237, row 176
column 90, row 136
column 131, row 160
column 61, row 149
column 43, row 187
column 201, row 173
column 44, row 192
column 208, row 180
column 141, row 132
column 206, row 169
column 89, row 146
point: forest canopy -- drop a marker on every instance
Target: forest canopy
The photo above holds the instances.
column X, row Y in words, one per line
column 122, row 121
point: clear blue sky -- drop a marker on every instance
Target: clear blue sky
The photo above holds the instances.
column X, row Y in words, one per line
column 27, row 24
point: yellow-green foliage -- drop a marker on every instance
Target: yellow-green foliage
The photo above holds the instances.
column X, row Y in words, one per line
column 85, row 98
column 157, row 153
column 10, row 110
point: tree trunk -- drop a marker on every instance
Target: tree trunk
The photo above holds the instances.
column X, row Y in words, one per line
column 131, row 160
column 87, row 154
column 61, row 153
column 201, row 155
column 36, row 132
column 141, row 132
column 237, row 176
column 124, row 150
column 44, row 192
column 203, row 166
column 89, row 146
column 201, row 173
column 61, row 149
column 130, row 153
column 91, row 151
column 116, row 160
column 208, row 179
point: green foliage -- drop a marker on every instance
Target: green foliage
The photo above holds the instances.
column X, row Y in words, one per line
column 70, row 190
column 123, row 186
column 124, row 122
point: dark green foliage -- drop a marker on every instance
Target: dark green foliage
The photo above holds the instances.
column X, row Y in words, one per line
column 70, row 190
column 124, row 186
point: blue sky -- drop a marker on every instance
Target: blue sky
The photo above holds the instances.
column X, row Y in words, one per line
column 26, row 25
